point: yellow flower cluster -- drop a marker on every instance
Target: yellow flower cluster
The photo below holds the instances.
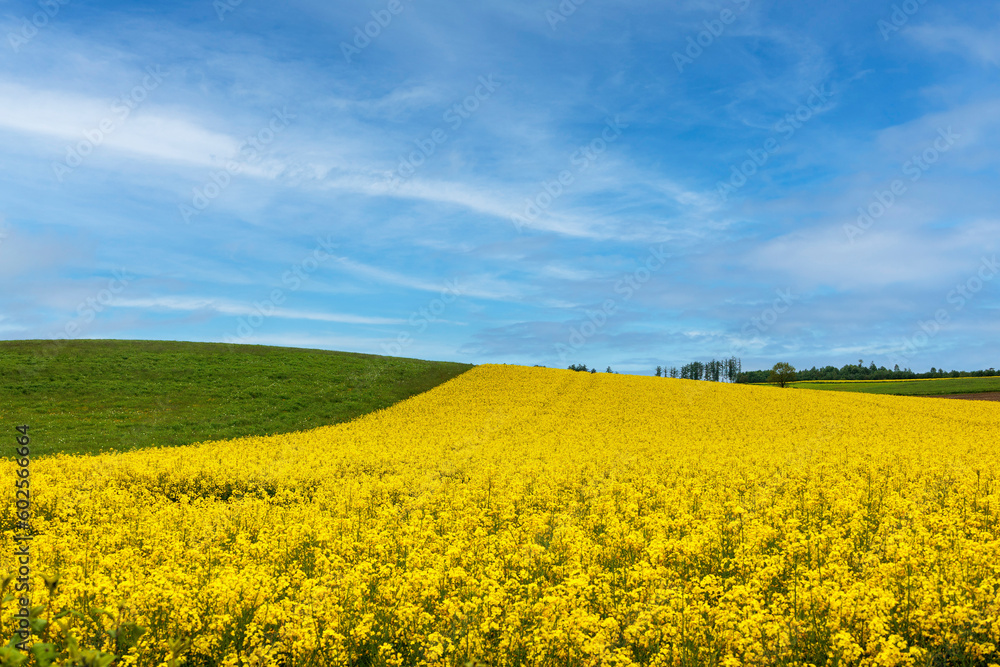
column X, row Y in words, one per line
column 529, row 516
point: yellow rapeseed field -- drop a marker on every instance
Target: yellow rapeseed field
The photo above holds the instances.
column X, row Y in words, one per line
column 528, row 516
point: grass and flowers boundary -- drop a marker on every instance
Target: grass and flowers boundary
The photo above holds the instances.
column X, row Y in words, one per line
column 95, row 396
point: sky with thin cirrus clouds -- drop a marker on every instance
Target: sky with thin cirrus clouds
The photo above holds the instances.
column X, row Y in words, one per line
column 629, row 184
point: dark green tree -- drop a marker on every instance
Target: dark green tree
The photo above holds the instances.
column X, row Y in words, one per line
column 782, row 373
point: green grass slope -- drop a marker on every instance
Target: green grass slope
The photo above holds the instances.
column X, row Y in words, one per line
column 88, row 396
column 931, row 387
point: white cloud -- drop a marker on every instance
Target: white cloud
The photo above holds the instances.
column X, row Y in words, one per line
column 471, row 198
column 479, row 287
column 884, row 255
column 570, row 273
column 148, row 131
column 979, row 45
column 229, row 308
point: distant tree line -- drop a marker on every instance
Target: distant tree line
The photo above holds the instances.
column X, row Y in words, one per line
column 583, row 369
column 716, row 370
column 862, row 372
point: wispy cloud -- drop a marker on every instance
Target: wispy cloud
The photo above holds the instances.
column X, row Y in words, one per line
column 230, row 308
column 151, row 133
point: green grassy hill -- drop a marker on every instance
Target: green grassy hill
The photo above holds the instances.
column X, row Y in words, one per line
column 929, row 387
column 88, row 396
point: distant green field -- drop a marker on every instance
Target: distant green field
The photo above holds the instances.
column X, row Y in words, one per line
column 932, row 387
column 89, row 396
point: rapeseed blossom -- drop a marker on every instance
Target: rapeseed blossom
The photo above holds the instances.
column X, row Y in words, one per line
column 528, row 516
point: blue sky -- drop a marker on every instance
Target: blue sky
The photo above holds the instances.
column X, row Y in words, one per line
column 629, row 184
